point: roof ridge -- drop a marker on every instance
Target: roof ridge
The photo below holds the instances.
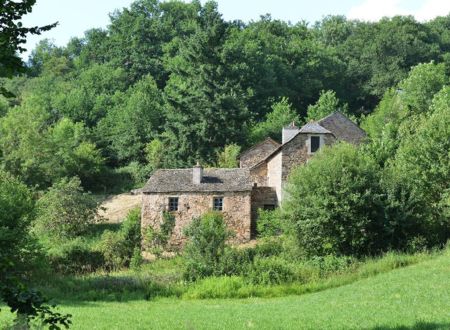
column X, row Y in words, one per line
column 258, row 144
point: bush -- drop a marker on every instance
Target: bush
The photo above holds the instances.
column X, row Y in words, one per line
column 136, row 259
column 157, row 240
column 206, row 245
column 118, row 248
column 330, row 264
column 268, row 223
column 335, row 204
column 269, row 271
column 130, row 230
column 235, row 261
column 65, row 211
column 75, row 257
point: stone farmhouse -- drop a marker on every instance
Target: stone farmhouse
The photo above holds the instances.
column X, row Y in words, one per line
column 240, row 192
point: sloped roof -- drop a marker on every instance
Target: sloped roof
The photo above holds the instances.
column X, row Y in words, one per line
column 214, row 180
column 313, row 127
column 258, row 152
column 335, row 123
column 343, row 128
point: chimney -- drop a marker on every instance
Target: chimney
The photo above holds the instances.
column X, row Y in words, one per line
column 289, row 132
column 197, row 174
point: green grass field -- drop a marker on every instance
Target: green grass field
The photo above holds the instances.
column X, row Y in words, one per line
column 414, row 297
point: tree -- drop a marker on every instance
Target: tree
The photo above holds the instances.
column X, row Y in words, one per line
column 13, row 35
column 423, row 81
column 65, row 211
column 281, row 115
column 335, row 204
column 206, row 245
column 228, row 158
column 417, row 180
column 17, row 247
column 325, row 105
column 205, row 109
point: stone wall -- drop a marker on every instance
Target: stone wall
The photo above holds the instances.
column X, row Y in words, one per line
column 257, row 153
column 274, row 173
column 259, row 174
column 296, row 152
column 236, row 210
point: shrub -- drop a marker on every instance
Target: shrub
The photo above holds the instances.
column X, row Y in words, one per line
column 118, row 248
column 158, row 240
column 269, row 271
column 114, row 249
column 130, row 230
column 136, row 259
column 65, row 211
column 235, row 261
column 268, row 223
column 75, row 257
column 335, row 203
column 330, row 264
column 206, row 245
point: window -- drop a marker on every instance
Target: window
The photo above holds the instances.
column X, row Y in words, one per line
column 173, row 203
column 315, row 143
column 218, row 203
column 269, row 207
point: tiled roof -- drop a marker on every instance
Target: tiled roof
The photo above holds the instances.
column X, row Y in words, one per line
column 214, row 180
column 313, row 127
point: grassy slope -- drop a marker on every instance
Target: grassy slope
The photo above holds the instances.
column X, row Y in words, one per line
column 415, row 297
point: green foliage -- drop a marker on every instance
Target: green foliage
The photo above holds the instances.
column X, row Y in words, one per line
column 206, row 245
column 136, row 260
column 13, row 35
column 228, row 157
column 16, row 213
column 270, row 271
column 120, row 248
column 42, row 154
column 154, row 152
column 423, row 82
column 325, row 105
column 281, row 115
column 206, row 110
column 417, row 179
column 65, row 211
column 75, row 256
column 158, row 240
column 269, row 223
column 341, row 209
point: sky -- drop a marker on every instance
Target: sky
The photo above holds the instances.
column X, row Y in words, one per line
column 75, row 17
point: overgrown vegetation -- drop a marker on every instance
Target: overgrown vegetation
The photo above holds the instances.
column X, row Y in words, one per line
column 191, row 87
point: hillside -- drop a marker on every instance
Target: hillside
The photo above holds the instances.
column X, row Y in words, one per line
column 414, row 297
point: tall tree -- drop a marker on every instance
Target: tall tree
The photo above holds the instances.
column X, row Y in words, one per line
column 206, row 110
column 13, row 35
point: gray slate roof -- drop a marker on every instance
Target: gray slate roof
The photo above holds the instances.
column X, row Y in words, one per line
column 313, row 127
column 214, row 180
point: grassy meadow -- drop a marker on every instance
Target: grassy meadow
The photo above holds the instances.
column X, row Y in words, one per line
column 411, row 297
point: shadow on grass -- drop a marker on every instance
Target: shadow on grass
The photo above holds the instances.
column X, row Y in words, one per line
column 418, row 326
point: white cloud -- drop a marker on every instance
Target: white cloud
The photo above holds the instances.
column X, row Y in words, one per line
column 373, row 10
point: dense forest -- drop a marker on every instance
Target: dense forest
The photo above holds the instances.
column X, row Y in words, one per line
column 167, row 84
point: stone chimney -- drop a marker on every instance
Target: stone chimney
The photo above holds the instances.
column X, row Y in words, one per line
column 289, row 132
column 197, row 174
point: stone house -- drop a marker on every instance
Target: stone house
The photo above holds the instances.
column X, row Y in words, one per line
column 240, row 192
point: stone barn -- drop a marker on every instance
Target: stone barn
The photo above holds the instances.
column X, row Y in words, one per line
column 240, row 192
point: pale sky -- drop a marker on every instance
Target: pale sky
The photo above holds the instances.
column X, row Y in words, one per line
column 75, row 17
